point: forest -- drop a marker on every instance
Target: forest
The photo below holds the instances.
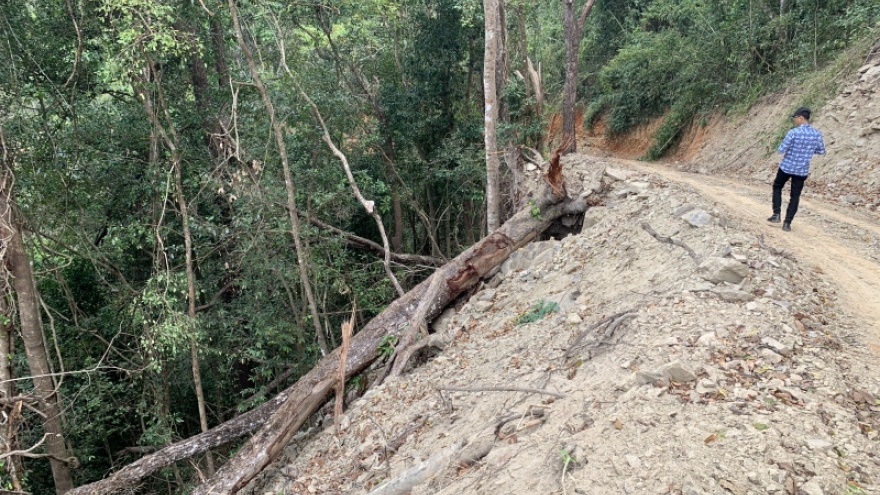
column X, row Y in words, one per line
column 196, row 196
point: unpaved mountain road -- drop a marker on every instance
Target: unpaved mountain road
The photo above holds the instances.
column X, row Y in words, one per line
column 845, row 245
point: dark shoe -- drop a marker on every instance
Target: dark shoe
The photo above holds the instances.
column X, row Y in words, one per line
column 786, row 226
column 774, row 219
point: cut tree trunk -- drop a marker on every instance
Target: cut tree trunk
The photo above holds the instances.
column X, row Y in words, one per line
column 290, row 409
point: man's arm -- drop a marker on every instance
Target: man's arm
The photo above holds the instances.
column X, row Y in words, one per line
column 786, row 143
column 820, row 148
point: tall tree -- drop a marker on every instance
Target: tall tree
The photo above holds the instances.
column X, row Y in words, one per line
column 45, row 388
column 574, row 29
column 490, row 95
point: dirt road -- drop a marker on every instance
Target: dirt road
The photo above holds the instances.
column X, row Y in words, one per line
column 845, row 245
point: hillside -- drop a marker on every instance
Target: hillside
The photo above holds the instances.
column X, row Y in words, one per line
column 746, row 367
column 736, row 372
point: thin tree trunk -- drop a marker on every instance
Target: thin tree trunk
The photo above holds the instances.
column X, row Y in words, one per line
column 171, row 141
column 493, row 163
column 35, row 349
column 573, row 31
column 292, row 212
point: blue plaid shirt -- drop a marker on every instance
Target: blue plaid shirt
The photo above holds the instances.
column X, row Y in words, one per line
column 799, row 145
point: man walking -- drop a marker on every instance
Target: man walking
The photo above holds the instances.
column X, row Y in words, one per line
column 799, row 146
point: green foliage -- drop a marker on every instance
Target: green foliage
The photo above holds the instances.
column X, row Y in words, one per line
column 538, row 311
column 386, row 345
column 534, row 209
column 681, row 59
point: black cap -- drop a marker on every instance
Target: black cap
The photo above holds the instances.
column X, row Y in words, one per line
column 803, row 112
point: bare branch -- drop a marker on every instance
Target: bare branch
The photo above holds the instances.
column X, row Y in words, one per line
column 370, row 206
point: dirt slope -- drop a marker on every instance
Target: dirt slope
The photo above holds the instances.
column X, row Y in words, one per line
column 736, row 370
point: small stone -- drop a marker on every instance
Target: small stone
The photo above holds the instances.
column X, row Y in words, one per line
column 770, row 356
column 573, row 319
column 483, row 306
column 647, row 377
column 812, row 488
column 698, row 218
column 708, row 340
column 616, row 174
column 777, row 346
column 723, row 270
column 681, row 210
column 818, row 444
column 633, row 461
column 680, row 372
column 706, row 386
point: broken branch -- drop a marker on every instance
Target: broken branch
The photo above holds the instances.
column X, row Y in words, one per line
column 420, row 473
column 669, row 240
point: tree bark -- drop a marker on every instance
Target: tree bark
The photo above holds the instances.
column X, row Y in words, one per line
column 493, row 163
column 184, row 449
column 35, row 349
column 574, row 29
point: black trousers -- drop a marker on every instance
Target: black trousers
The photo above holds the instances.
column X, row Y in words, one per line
column 797, row 185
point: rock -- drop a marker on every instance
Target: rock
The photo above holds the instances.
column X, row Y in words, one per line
column 706, row 386
column 681, row 210
column 733, row 295
column 482, row 306
column 718, row 270
column 440, row 323
column 708, row 340
column 633, row 461
column 818, row 444
column 770, row 356
column 704, row 287
column 679, row 371
column 594, row 215
column 697, row 218
column 777, row 346
column 812, row 488
column 573, row 319
column 644, row 377
column 638, row 187
column 616, row 174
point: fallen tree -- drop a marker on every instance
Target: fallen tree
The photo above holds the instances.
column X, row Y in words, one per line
column 404, row 318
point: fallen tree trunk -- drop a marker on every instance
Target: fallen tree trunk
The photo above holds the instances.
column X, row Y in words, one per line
column 227, row 432
column 301, row 400
column 312, row 389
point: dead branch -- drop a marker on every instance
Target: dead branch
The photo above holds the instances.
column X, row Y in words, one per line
column 503, row 389
column 420, row 473
column 669, row 240
column 370, row 206
column 534, row 412
column 368, row 244
column 347, row 329
column 773, row 251
column 604, row 321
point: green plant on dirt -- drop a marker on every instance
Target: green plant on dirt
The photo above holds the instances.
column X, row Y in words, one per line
column 386, row 345
column 539, row 310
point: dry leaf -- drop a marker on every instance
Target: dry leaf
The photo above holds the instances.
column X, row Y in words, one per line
column 711, row 438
